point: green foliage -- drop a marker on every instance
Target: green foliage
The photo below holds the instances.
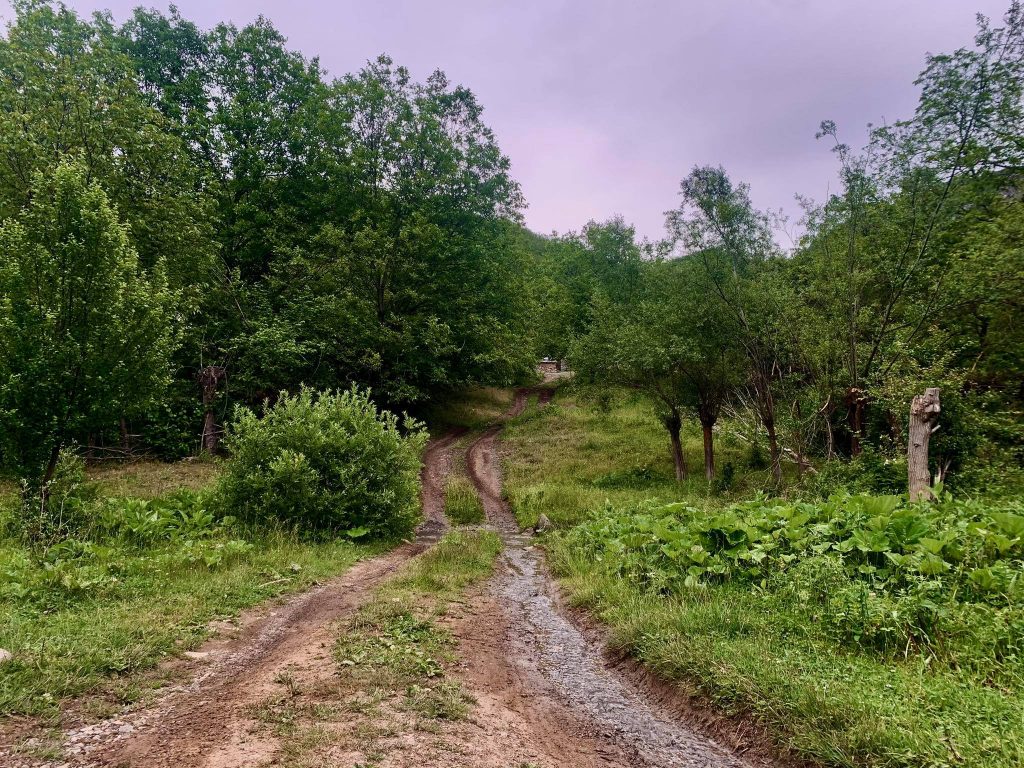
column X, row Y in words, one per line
column 325, row 461
column 84, row 333
column 59, row 509
column 877, row 571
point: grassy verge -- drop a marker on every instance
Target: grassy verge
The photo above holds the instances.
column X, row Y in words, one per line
column 821, row 670
column 461, row 502
column 474, row 408
column 393, row 659
column 571, row 458
column 89, row 614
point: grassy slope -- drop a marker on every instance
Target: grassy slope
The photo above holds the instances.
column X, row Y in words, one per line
column 747, row 654
column 158, row 605
column 570, row 458
column 474, row 408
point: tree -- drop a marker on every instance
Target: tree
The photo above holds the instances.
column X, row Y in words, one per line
column 620, row 350
column 670, row 344
column 697, row 334
column 719, row 228
column 67, row 89
column 85, row 334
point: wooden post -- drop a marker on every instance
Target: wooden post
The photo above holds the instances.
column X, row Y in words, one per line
column 924, row 415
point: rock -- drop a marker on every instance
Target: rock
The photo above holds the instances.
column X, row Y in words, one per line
column 543, row 524
column 5, row 655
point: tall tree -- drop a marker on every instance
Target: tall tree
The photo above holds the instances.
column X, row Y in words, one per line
column 718, row 227
column 85, row 333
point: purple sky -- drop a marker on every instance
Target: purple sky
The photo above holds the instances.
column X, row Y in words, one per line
column 604, row 106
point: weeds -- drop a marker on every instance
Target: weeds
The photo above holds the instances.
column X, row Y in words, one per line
column 461, row 501
column 860, row 630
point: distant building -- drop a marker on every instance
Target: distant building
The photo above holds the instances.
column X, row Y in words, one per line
column 548, row 365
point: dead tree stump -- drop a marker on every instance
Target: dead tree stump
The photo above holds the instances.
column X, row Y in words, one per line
column 924, row 416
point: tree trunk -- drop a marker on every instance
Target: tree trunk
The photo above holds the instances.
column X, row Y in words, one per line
column 674, row 425
column 830, row 439
column 709, row 449
column 209, row 378
column 51, row 466
column 855, row 418
column 924, row 414
column 126, row 441
column 776, row 454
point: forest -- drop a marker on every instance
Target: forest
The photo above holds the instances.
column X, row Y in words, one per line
column 282, row 285
column 215, row 222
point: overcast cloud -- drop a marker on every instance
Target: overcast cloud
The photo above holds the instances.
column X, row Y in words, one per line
column 604, row 106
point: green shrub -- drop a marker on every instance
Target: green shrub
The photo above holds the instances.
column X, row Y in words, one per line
column 61, row 508
column 325, row 461
column 875, row 571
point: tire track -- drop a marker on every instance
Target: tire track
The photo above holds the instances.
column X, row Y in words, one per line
column 206, row 721
column 557, row 664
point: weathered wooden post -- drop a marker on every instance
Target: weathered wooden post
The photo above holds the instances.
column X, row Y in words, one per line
column 924, row 415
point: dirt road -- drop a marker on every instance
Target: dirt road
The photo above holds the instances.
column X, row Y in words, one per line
column 544, row 693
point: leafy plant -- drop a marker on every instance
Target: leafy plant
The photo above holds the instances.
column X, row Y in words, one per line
column 325, row 461
column 899, row 573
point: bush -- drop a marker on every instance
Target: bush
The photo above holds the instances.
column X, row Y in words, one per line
column 60, row 509
column 325, row 461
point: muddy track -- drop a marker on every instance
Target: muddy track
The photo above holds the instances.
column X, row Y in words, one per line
column 551, row 668
column 545, row 694
column 207, row 721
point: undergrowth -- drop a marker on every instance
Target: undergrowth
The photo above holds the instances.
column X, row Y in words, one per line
column 859, row 629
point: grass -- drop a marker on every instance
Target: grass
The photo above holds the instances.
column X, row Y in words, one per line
column 162, row 607
column 393, row 659
column 571, row 457
column 151, row 479
column 474, row 408
column 89, row 615
column 745, row 650
column 461, row 502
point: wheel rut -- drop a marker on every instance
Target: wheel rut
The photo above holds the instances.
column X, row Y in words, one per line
column 207, row 721
column 545, row 695
column 555, row 666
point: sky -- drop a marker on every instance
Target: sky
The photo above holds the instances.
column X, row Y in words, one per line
column 603, row 106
